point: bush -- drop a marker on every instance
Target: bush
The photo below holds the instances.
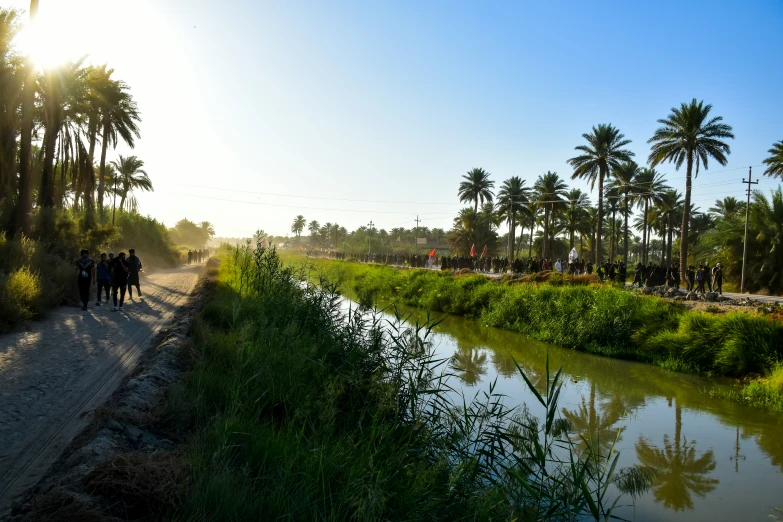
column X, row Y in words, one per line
column 574, row 312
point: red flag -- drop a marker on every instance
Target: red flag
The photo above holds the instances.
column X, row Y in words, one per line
column 432, row 254
column 473, row 250
column 484, row 252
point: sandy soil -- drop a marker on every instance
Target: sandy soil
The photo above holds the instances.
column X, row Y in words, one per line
column 63, row 367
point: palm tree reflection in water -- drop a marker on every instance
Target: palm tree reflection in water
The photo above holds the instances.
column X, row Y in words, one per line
column 470, row 364
column 678, row 470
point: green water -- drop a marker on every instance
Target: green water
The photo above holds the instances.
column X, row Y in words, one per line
column 715, row 459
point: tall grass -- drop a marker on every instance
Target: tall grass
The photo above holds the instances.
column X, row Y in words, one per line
column 600, row 319
column 302, row 411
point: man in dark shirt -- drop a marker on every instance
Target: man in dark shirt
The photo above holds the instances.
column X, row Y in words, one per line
column 85, row 265
column 119, row 280
column 134, row 267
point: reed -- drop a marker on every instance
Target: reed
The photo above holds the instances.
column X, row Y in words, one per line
column 300, row 409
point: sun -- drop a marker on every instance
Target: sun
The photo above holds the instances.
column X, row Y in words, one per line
column 44, row 45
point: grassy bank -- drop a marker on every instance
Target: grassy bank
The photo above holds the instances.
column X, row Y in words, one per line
column 299, row 411
column 599, row 319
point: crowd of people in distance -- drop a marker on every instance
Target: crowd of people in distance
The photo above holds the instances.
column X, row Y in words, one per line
column 116, row 274
column 651, row 274
column 196, row 256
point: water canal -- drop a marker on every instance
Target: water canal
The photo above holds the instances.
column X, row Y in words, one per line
column 714, row 458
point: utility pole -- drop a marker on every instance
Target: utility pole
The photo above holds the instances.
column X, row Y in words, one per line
column 416, row 235
column 369, row 234
column 748, row 182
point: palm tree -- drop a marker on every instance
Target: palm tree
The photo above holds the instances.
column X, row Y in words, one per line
column 602, row 154
column 314, row 227
column 613, row 206
column 208, row 228
column 575, row 217
column 477, row 186
column 767, row 219
column 532, row 212
column 550, row 193
column 10, row 85
column 64, row 98
column 689, row 137
column 119, row 119
column 651, row 186
column 670, row 202
column 775, row 161
column 471, row 363
column 24, row 201
column 513, row 198
column 297, row 226
column 130, row 176
column 471, row 228
column 728, row 207
column 625, row 178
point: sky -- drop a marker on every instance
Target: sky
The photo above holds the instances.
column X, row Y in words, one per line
column 351, row 112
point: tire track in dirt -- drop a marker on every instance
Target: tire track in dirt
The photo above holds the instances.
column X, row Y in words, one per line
column 65, row 366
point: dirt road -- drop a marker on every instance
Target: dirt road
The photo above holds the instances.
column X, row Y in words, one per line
column 66, row 365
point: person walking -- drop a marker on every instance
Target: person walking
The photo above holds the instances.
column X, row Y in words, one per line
column 190, row 256
column 85, row 265
column 119, row 281
column 102, row 278
column 134, row 267
column 690, row 276
column 708, row 276
column 700, row 279
column 717, row 278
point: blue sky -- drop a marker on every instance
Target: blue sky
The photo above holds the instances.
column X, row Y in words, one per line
column 373, row 110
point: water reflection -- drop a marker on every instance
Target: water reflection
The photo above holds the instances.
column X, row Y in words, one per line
column 470, row 364
column 592, row 429
column 679, row 470
column 603, row 398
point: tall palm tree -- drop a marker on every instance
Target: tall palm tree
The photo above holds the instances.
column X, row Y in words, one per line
column 602, row 154
column 297, row 226
column 10, row 85
column 689, row 136
column 613, row 206
column 651, row 186
column 477, row 186
column 625, row 178
column 24, row 201
column 119, row 119
column 532, row 212
column 775, row 161
column 576, row 218
column 512, row 201
column 550, row 193
column 670, row 202
column 64, row 98
column 131, row 176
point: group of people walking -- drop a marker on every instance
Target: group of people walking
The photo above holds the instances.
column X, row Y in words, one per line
column 196, row 256
column 117, row 274
column 699, row 279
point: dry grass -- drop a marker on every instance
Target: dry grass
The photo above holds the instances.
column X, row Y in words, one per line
column 139, row 485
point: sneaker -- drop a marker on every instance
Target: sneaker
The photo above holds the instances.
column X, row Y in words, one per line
column 113, row 308
column 120, row 309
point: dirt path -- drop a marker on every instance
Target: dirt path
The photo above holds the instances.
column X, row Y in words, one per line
column 65, row 366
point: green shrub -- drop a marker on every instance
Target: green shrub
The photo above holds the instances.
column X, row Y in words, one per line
column 21, row 293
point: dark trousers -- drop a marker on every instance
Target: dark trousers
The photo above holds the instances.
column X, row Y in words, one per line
column 719, row 286
column 84, row 289
column 105, row 287
column 130, row 290
column 701, row 286
column 121, row 290
column 690, row 285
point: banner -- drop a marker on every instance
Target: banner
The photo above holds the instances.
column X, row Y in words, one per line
column 484, row 252
column 432, row 254
column 473, row 250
